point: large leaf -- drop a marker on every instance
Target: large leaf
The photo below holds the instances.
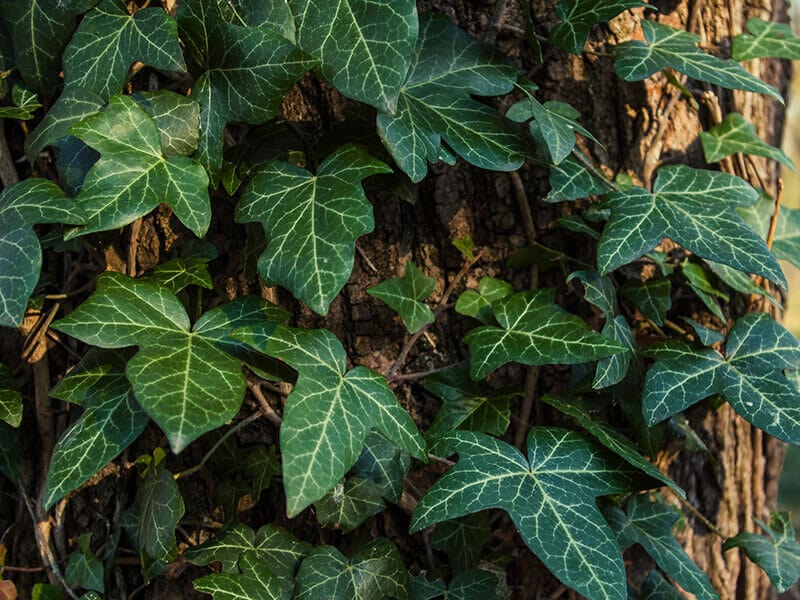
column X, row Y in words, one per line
column 254, row 582
column 185, row 378
column 649, row 524
column 133, row 175
column 248, row 72
column 375, row 572
column 405, row 296
column 550, row 495
column 363, row 45
column 23, row 205
column 677, row 49
column 693, row 207
column 736, row 134
column 766, row 39
column 578, row 17
column 786, row 241
column 39, row 31
column 10, row 398
column 111, row 421
column 109, row 40
column 534, row 331
column 778, row 553
column 750, row 377
column 434, row 105
column 312, row 222
column 329, row 412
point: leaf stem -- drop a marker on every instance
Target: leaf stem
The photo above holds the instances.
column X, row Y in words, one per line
column 703, row 519
column 264, row 405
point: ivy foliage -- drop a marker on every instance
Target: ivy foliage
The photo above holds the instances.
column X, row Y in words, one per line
column 194, row 119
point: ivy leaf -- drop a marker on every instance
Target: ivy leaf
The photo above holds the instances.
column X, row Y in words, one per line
column 699, row 281
column 84, row 569
column 462, row 539
column 777, row 552
column 570, row 180
column 9, row 451
column 249, row 70
column 750, row 377
column 610, row 371
column 25, row 104
column 707, row 336
column 10, row 398
column 39, row 31
column 677, row 49
column 649, row 524
column 329, row 412
column 22, row 205
column 736, row 134
column 312, row 222
column 177, row 119
column 741, row 282
column 534, row 331
column 434, row 105
column 598, row 290
column 255, row 582
column 549, row 495
column 383, row 463
column 252, row 13
column 579, row 16
column 73, row 105
column 467, row 404
column 405, row 295
column 182, row 377
column 109, row 40
column 133, row 176
column 158, row 508
column 651, row 297
column 693, row 207
column 466, row 585
column 179, row 273
column 655, row 587
column 766, row 39
column 375, row 572
column 479, row 304
column 349, row 504
column 363, row 46
column 611, row 439
column 786, row 243
column 111, row 421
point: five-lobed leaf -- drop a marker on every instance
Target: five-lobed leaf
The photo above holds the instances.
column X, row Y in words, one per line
column 578, row 17
column 549, row 494
column 695, row 208
column 23, row 205
column 677, row 49
column 750, row 376
column 405, row 296
column 736, row 134
column 534, row 331
column 185, row 378
column 329, row 412
column 766, row 39
column 312, row 222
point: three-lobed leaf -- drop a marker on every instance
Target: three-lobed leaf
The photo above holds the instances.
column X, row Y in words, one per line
column 579, row 16
column 405, row 296
column 766, row 39
column 254, row 582
column 737, row 134
column 478, row 304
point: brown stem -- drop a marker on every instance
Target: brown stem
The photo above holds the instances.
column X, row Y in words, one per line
column 773, row 222
column 264, row 405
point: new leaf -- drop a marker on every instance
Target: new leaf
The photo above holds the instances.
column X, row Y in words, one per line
column 550, row 495
column 405, row 295
column 329, row 412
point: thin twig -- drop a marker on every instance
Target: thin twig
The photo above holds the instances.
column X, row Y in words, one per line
column 266, row 408
column 419, row 374
column 439, row 459
column 70, row 294
column 703, row 519
column 773, row 222
column 366, row 259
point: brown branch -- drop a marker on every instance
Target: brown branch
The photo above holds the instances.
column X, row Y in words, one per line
column 773, row 222
column 264, row 405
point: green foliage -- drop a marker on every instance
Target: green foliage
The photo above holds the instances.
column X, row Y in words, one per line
column 10, row 398
column 766, row 39
column 84, row 569
column 405, row 296
column 478, row 304
column 578, row 17
column 466, row 585
column 736, row 134
column 462, row 539
column 349, row 503
column 786, row 242
column 25, row 104
column 254, row 582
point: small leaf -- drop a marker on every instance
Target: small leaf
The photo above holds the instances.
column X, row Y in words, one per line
column 329, row 412
column 349, row 504
column 578, row 17
column 677, row 49
column 649, row 524
column 255, row 582
column 707, row 336
column 549, row 495
column 651, row 297
column 741, row 282
column 10, row 398
column 133, row 175
column 466, row 585
column 598, row 290
column 312, row 222
column 383, row 463
column 777, row 552
column 111, row 421
column 570, row 180
column 375, row 572
column 610, row 371
column 109, row 40
column 735, row 134
column 467, row 404
column 363, row 46
column 462, row 539
column 751, row 379
column 534, row 331
column 158, row 508
column 405, row 295
column 186, row 379
column 73, row 105
column 699, row 282
column 179, row 273
column 22, row 205
column 766, row 39
column 435, row 104
column 479, row 304
column 786, row 242
column 84, row 569
column 25, row 104
column 693, row 207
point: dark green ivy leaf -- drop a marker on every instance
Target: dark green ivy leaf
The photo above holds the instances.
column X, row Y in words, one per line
column 383, row 463
column 570, row 180
column 777, row 552
column 84, row 569
column 23, row 205
column 158, row 509
column 179, row 273
column 10, row 398
column 707, row 336
column 462, row 539
column 550, row 495
column 736, row 134
column 578, row 17
column 677, row 49
column 766, row 39
column 72, row 106
column 466, row 585
column 9, row 451
column 786, row 242
column 651, row 297
column 405, row 296
column 655, row 587
column 177, row 118
column 693, row 207
column 253, row 582
column 699, row 282
column 109, row 40
column 349, row 503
